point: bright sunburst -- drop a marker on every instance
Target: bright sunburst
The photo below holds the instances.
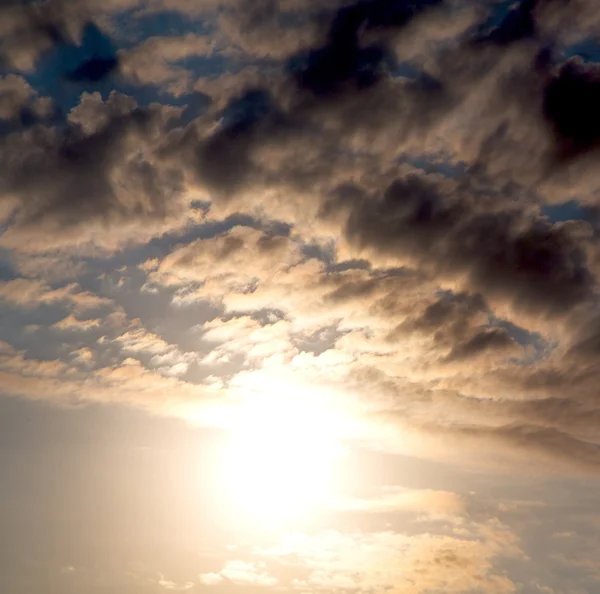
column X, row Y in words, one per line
column 280, row 461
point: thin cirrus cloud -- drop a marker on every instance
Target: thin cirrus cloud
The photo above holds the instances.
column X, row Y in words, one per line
column 365, row 201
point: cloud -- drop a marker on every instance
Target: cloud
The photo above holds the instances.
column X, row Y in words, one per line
column 242, row 572
column 72, row 323
column 86, row 377
column 386, row 208
column 342, row 64
column 210, row 579
column 18, row 101
column 164, row 357
column 231, row 262
column 531, row 263
column 29, row 293
column 417, row 563
column 101, row 155
column 459, row 323
column 83, row 355
column 569, row 106
column 28, row 30
column 428, row 502
column 245, row 336
column 174, row 586
column 154, row 61
column 363, row 204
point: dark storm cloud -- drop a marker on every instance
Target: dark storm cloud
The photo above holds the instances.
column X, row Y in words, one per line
column 571, row 104
column 517, row 22
column 503, row 253
column 353, row 65
column 458, row 324
column 452, row 310
column 528, row 261
column 225, row 159
column 65, row 176
column 485, row 340
column 290, row 114
column 343, row 63
column 31, row 28
column 21, row 107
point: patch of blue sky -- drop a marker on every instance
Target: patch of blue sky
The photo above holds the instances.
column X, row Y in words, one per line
column 521, row 335
column 588, row 50
column 404, row 70
column 567, row 211
column 436, row 163
column 497, row 14
column 54, row 66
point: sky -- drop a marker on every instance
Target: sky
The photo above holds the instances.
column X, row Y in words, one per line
column 299, row 297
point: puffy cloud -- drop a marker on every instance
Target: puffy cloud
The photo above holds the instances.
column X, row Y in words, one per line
column 230, row 263
column 245, row 336
column 210, row 579
column 18, row 101
column 30, row 29
column 174, row 586
column 164, row 357
column 242, row 572
column 72, row 323
column 68, row 185
column 338, row 561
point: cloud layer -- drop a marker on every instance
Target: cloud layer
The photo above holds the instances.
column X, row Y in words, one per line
column 382, row 210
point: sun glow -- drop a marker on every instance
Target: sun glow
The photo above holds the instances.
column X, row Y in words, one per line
column 280, row 462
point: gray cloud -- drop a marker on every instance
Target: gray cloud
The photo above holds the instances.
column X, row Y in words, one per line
column 526, row 260
column 89, row 172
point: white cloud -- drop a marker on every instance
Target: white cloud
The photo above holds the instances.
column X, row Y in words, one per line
column 242, row 572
